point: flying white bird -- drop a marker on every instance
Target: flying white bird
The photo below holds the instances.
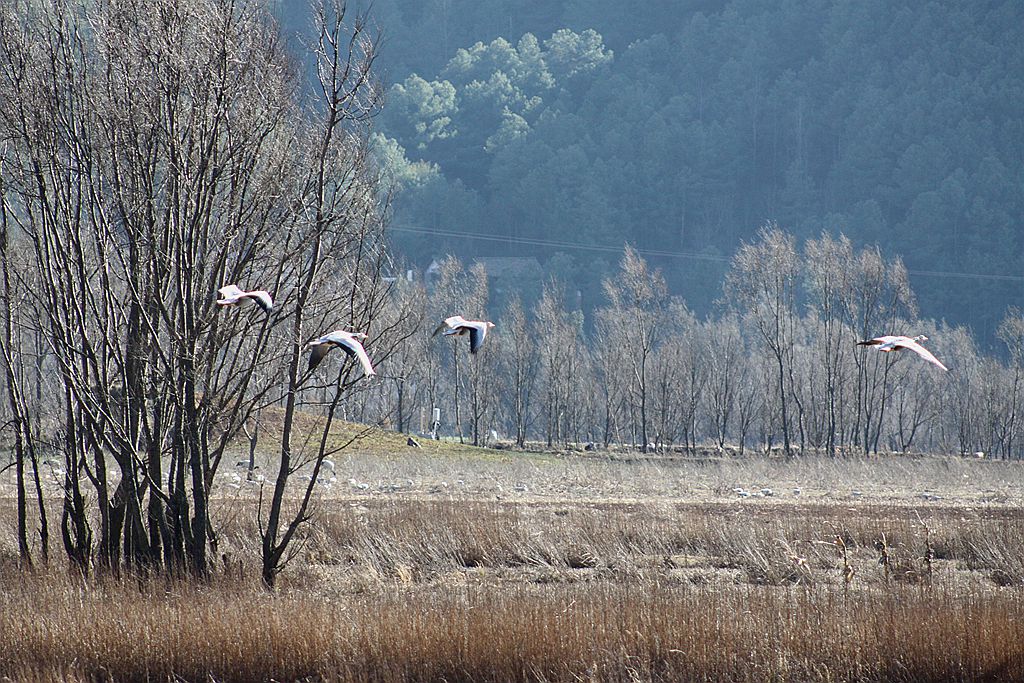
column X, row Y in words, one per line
column 231, row 295
column 891, row 343
column 457, row 325
column 346, row 341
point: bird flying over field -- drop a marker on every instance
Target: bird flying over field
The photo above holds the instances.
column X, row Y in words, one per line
column 231, row 295
column 457, row 325
column 891, row 343
column 347, row 342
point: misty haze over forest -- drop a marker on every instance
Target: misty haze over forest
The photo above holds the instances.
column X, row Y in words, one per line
column 564, row 129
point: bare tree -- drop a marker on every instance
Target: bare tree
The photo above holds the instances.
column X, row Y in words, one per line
column 667, row 369
column 636, row 299
column 914, row 405
column 678, row 377
column 750, row 397
column 158, row 151
column 1011, row 332
column 612, row 375
column 520, row 353
column 695, row 372
column 877, row 295
column 482, row 366
column 560, row 353
column 451, row 296
column 338, row 242
column 829, row 264
column 16, row 385
column 728, row 372
column 403, row 320
column 962, row 400
column 762, row 283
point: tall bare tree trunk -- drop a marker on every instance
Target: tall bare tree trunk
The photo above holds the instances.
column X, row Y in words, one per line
column 455, row 391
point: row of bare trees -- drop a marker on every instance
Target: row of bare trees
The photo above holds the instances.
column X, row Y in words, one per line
column 777, row 368
column 150, row 152
column 154, row 150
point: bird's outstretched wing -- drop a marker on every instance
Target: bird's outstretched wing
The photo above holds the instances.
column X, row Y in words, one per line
column 229, row 294
column 878, row 341
column 353, row 347
column 262, row 299
column 232, row 295
column 360, row 353
column 347, row 342
column 476, row 337
column 449, row 323
column 318, row 350
column 921, row 351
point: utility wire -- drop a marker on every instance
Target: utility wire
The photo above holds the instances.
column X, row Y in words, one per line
column 967, row 276
column 536, row 242
column 696, row 256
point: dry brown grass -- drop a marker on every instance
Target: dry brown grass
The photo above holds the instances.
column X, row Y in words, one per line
column 537, row 568
column 623, row 627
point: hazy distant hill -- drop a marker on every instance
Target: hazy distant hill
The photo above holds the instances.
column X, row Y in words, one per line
column 683, row 127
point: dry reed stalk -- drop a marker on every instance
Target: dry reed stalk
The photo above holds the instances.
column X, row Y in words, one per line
column 613, row 629
column 464, row 589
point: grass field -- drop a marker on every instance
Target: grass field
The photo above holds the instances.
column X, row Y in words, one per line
column 459, row 564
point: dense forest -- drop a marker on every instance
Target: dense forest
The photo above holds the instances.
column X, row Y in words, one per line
column 564, row 129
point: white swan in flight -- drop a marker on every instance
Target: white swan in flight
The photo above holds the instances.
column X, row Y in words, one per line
column 231, row 295
column 890, row 343
column 457, row 325
column 346, row 341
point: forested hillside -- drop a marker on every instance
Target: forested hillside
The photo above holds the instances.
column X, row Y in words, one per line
column 682, row 127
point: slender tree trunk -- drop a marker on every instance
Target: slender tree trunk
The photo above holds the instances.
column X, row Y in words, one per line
column 458, row 382
column 44, row 527
column 782, row 404
column 74, row 523
column 642, row 388
column 19, row 457
column 155, row 515
column 401, row 411
column 272, row 550
column 14, row 395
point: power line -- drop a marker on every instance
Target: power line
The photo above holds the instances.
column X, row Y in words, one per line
column 536, row 242
column 696, row 256
column 967, row 276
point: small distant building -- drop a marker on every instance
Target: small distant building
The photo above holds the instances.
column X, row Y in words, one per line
column 432, row 272
column 506, row 275
column 409, row 276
